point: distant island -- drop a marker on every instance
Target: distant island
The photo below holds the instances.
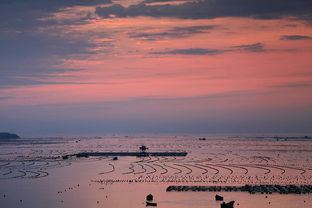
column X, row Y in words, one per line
column 5, row 135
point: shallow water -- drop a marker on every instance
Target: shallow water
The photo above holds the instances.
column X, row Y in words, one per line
column 32, row 170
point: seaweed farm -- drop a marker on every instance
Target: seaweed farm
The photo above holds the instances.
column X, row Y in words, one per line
column 179, row 170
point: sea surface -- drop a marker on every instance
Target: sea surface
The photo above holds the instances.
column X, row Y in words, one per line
column 33, row 172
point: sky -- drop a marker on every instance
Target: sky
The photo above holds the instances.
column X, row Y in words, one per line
column 155, row 66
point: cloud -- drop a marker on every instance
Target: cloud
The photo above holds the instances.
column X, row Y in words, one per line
column 254, row 48
column 5, row 98
column 176, row 32
column 27, row 75
column 257, row 47
column 205, row 9
column 295, row 37
column 220, row 95
column 291, row 25
column 38, row 56
column 21, row 14
column 294, row 85
column 33, row 45
column 47, row 4
column 190, row 51
column 32, row 54
column 7, row 83
column 157, row 1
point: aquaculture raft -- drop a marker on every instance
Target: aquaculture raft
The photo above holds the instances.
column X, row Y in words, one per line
column 134, row 154
column 252, row 189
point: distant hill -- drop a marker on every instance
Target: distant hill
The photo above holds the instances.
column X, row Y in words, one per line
column 5, row 135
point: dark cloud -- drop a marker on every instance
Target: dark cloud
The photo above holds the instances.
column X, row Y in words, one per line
column 27, row 75
column 190, row 51
column 176, row 32
column 27, row 45
column 264, row 9
column 21, row 14
column 295, row 37
column 27, row 54
column 30, row 48
column 48, row 4
column 257, row 47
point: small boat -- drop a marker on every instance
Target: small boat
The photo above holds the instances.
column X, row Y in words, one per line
column 228, row 205
column 152, row 204
column 218, row 198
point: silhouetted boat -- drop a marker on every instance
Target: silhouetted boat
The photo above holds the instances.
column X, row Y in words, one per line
column 152, row 204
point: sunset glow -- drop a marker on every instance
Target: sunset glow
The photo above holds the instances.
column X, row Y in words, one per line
column 75, row 65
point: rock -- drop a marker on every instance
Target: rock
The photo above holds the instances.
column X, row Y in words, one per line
column 5, row 135
column 219, row 198
column 115, row 158
column 228, row 205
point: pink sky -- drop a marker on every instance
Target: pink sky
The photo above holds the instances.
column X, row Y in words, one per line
column 228, row 63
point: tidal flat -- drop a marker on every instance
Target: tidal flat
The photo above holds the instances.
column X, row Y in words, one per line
column 35, row 173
